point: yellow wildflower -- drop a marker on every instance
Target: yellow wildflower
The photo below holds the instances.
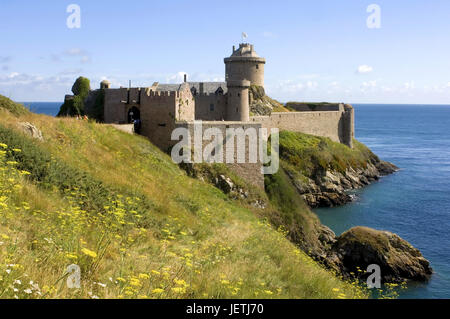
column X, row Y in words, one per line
column 89, row 253
column 71, row 256
column 157, row 290
column 144, row 276
column 178, row 290
column 135, row 282
column 180, row 282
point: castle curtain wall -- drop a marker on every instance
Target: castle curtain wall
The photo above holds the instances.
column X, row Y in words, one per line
column 250, row 172
column 336, row 125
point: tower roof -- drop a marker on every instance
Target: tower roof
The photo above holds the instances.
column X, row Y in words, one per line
column 245, row 52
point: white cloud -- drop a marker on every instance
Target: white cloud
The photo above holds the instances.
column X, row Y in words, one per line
column 363, row 69
column 312, row 85
column 177, row 78
column 409, row 85
column 83, row 55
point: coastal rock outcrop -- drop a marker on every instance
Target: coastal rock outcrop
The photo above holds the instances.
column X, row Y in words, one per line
column 261, row 104
column 331, row 188
column 359, row 247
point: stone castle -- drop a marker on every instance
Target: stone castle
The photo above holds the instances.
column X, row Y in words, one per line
column 163, row 107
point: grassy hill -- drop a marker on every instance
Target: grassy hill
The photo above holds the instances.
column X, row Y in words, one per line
column 134, row 222
column 11, row 106
column 313, row 155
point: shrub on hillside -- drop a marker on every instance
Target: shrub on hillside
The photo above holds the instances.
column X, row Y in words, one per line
column 75, row 106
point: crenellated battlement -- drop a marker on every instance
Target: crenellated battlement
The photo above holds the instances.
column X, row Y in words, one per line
column 152, row 93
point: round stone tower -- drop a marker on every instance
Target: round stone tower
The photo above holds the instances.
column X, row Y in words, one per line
column 238, row 106
column 105, row 84
column 245, row 64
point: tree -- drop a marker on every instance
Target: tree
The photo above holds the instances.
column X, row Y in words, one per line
column 75, row 106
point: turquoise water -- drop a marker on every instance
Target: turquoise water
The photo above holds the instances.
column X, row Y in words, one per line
column 414, row 202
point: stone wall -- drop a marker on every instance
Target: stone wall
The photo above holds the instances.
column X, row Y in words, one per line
column 115, row 110
column 251, row 172
column 203, row 107
column 159, row 110
column 336, row 125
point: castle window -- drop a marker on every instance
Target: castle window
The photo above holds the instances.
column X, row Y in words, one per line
column 211, row 107
column 257, row 66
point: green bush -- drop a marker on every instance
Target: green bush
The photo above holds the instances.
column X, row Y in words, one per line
column 76, row 106
column 81, row 87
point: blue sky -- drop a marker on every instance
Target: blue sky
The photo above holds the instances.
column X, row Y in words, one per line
column 318, row 50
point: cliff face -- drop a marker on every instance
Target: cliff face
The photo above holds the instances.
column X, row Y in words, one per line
column 331, row 188
column 323, row 172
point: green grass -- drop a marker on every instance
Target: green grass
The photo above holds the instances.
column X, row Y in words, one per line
column 11, row 106
column 312, row 155
column 119, row 208
column 291, row 213
column 293, row 106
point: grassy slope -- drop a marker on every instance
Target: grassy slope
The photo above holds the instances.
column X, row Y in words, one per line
column 292, row 213
column 120, row 209
column 11, row 106
column 312, row 155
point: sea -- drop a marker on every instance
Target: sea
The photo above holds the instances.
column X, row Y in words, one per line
column 414, row 202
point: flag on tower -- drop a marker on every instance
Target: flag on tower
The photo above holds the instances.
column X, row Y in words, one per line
column 244, row 36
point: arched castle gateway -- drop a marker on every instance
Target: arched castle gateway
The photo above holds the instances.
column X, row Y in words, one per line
column 164, row 107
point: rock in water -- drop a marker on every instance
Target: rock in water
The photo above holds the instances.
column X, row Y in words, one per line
column 31, row 130
column 362, row 246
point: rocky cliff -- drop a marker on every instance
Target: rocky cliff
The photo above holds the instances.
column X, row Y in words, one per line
column 323, row 171
column 359, row 247
column 331, row 188
column 261, row 104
